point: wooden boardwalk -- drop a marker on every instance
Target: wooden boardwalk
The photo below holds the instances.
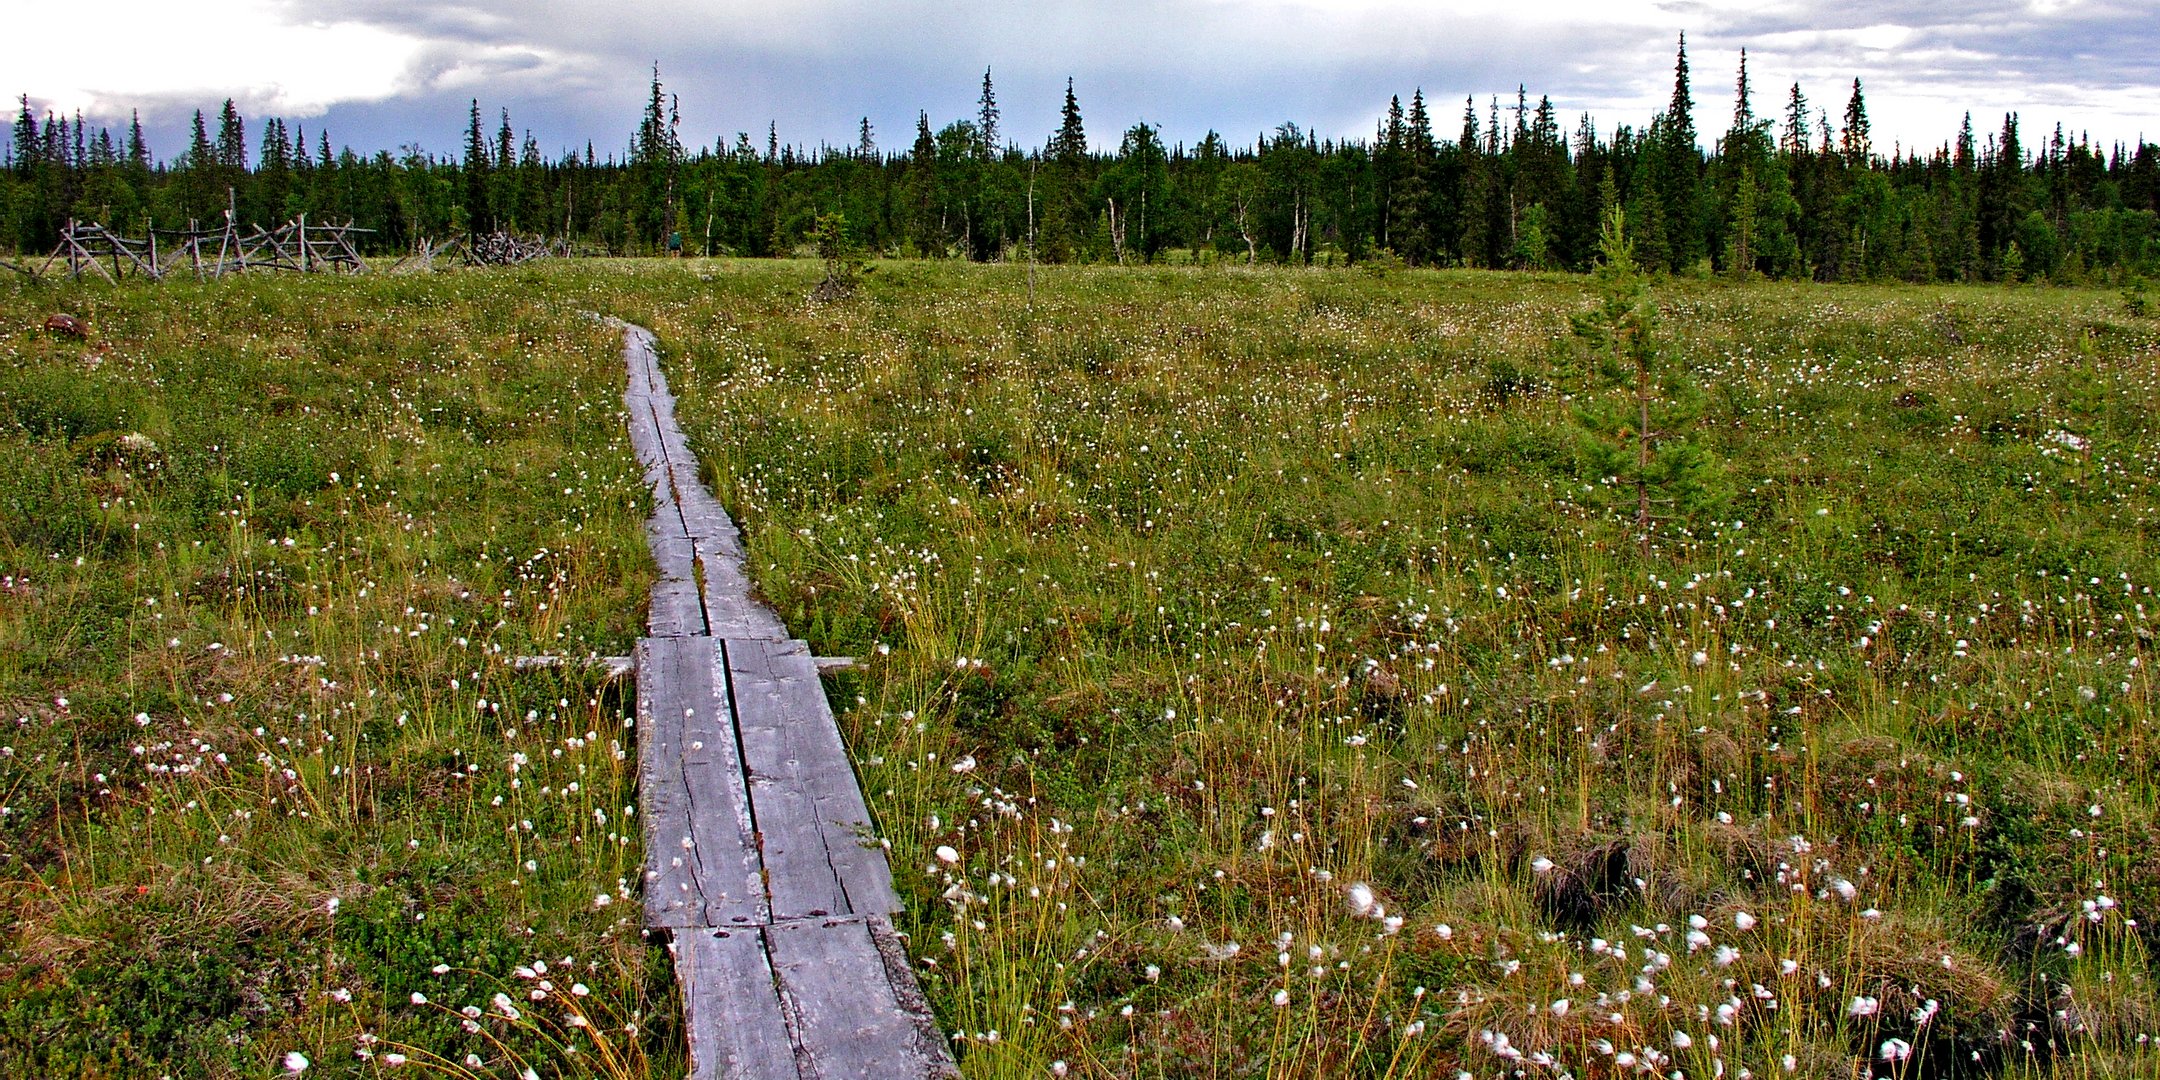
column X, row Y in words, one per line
column 761, row 869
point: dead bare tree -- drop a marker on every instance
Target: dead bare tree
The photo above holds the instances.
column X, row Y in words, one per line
column 1244, row 213
column 1300, row 222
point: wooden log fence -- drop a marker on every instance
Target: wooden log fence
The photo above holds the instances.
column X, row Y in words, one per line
column 485, row 249
column 298, row 246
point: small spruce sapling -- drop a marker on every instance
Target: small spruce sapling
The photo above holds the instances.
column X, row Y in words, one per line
column 1640, row 432
column 2134, row 298
column 843, row 258
column 2013, row 264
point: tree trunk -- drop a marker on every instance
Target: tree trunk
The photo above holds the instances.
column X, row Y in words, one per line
column 1642, row 452
column 1031, row 236
column 1252, row 250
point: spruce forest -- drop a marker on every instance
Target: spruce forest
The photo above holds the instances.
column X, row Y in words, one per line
column 1788, row 191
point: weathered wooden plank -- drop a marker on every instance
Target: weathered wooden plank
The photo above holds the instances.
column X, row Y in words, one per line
column 707, row 522
column 677, row 610
column 841, row 1004
column 727, row 864
column 644, row 436
column 731, row 1007
column 646, row 376
column 829, row 778
column 713, row 769
column 730, row 873
column 671, row 433
column 690, row 493
column 738, row 621
column 671, row 890
column 755, row 826
column 799, row 874
column 701, row 854
column 811, row 820
column 673, row 553
column 907, row 993
column 714, row 532
column 729, row 610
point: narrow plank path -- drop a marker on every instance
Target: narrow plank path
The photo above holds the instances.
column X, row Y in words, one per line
column 760, row 864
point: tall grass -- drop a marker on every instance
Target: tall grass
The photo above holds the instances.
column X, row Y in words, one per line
column 1258, row 679
column 1235, row 633
column 271, row 795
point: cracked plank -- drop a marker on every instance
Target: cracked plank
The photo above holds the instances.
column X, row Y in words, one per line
column 814, row 828
column 731, row 1008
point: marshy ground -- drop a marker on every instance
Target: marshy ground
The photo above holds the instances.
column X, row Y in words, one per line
column 1263, row 673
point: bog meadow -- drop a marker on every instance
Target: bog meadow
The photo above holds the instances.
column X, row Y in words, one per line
column 1264, row 672
column 1514, row 606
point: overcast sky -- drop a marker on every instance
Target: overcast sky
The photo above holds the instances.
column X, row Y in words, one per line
column 380, row 74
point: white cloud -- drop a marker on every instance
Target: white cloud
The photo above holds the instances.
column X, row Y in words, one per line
column 106, row 56
column 1237, row 65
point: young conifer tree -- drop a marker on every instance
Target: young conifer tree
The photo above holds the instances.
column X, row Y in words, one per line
column 1638, row 434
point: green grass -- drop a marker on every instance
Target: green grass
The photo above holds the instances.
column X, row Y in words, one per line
column 1195, row 599
column 1199, row 608
column 268, row 547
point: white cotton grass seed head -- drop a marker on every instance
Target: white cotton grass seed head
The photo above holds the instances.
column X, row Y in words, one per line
column 948, row 856
column 1743, row 921
column 1361, row 899
column 296, row 1062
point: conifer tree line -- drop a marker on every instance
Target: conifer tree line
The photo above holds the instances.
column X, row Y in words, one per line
column 1783, row 191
